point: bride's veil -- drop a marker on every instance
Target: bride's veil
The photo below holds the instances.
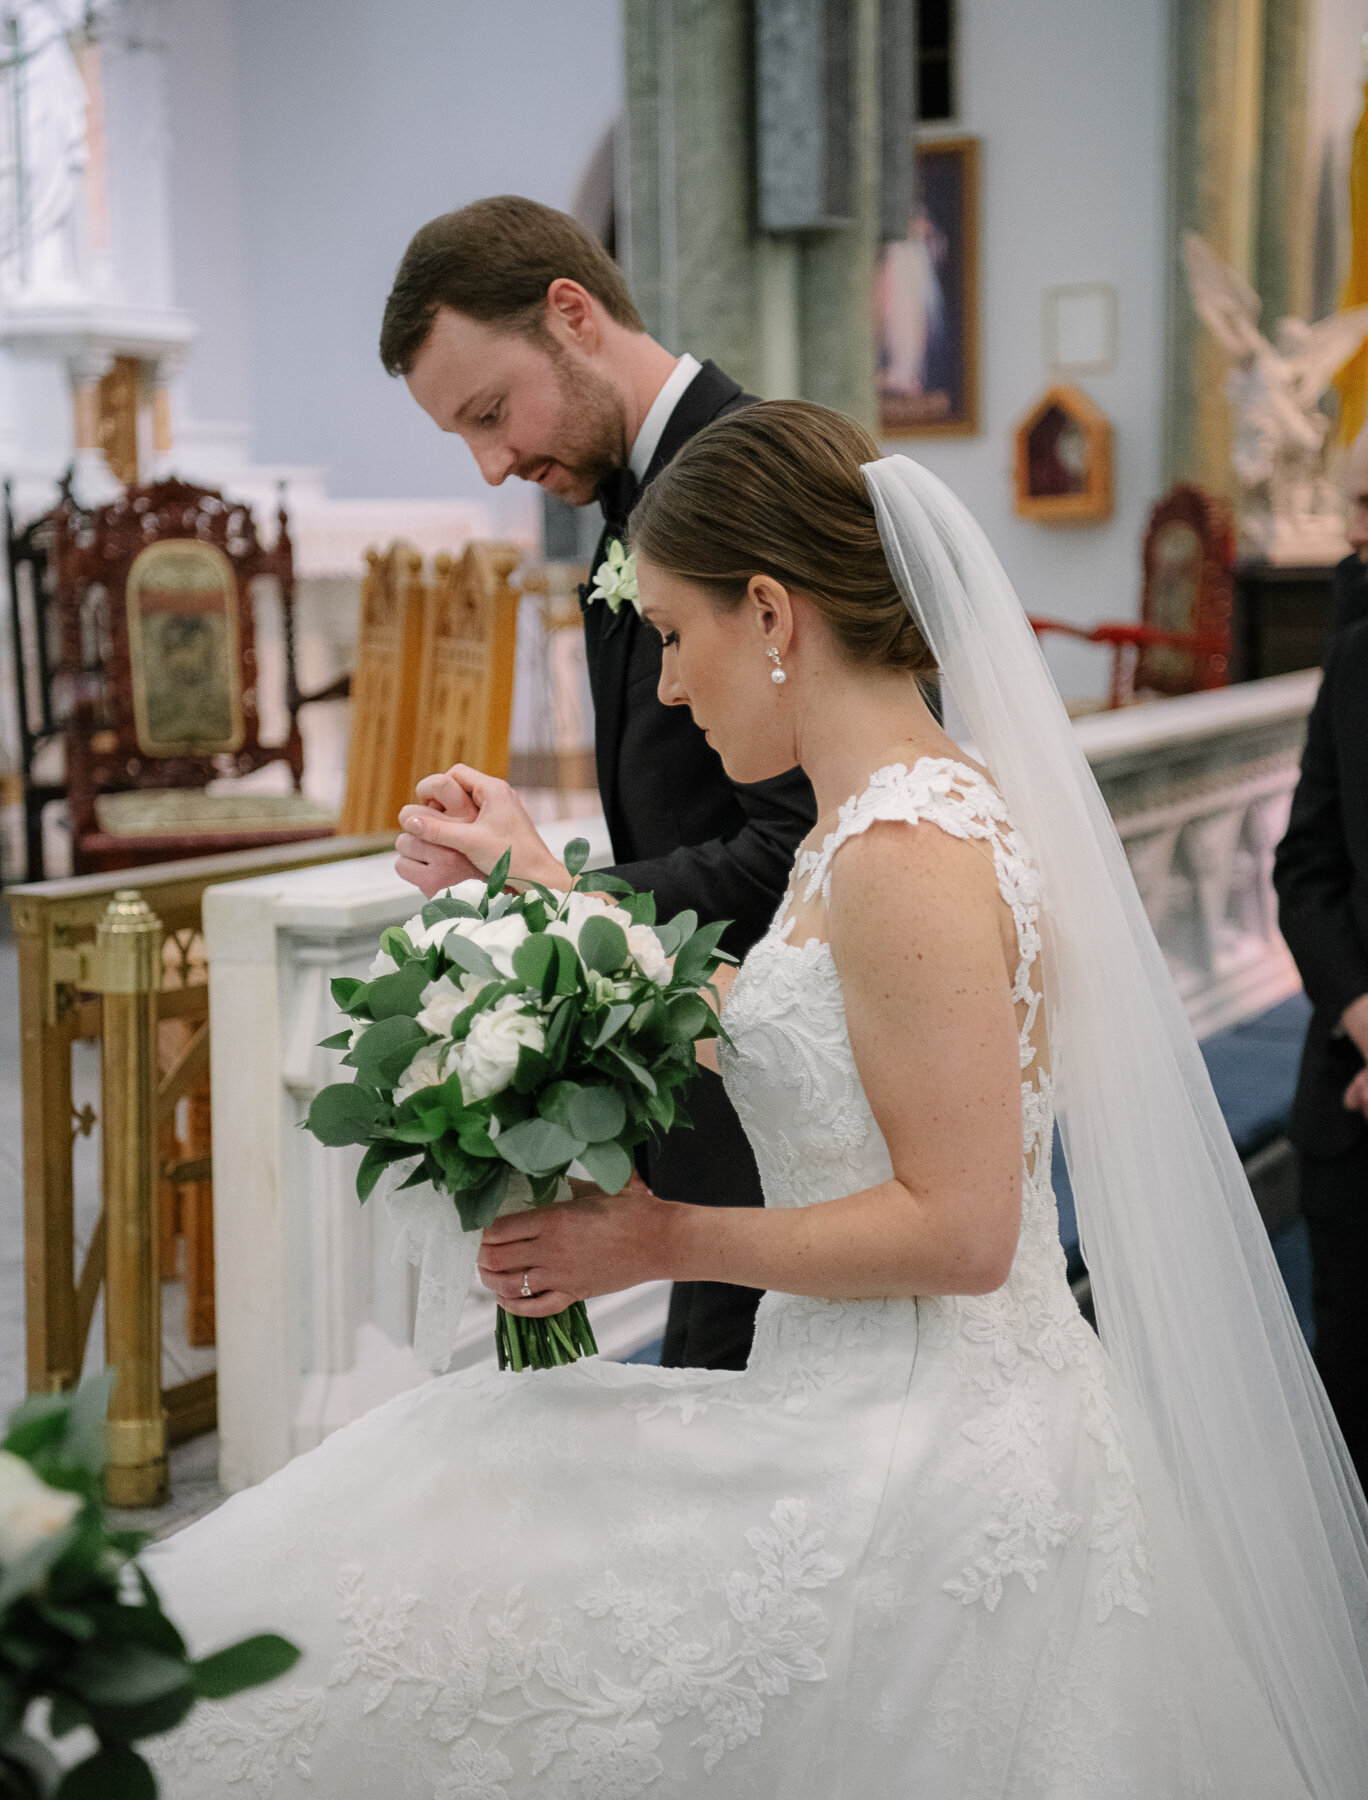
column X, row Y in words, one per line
column 1190, row 1305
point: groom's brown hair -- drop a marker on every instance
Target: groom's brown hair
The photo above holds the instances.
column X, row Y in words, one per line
column 494, row 261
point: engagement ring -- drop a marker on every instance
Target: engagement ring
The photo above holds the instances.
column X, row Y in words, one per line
column 526, row 1289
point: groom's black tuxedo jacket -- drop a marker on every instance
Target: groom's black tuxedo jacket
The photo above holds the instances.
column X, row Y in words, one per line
column 1321, row 874
column 682, row 829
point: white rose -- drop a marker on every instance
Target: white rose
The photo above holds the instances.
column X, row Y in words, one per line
column 30, row 1510
column 472, row 892
column 648, row 953
column 382, row 963
column 444, row 998
column 500, row 937
column 425, row 1071
column 486, row 1061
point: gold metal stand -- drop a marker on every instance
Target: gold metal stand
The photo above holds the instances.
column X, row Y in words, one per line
column 128, row 973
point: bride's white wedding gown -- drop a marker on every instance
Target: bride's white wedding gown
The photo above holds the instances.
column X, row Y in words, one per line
column 910, row 1551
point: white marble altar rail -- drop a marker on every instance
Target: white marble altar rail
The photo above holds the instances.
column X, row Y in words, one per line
column 1200, row 788
column 314, row 1308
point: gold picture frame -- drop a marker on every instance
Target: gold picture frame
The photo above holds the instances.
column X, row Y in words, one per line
column 928, row 314
column 1062, row 462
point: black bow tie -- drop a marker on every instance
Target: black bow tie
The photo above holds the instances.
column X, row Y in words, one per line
column 617, row 495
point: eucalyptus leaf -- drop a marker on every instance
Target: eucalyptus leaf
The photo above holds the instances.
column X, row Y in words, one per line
column 608, row 1164
column 498, row 875
column 396, row 944
column 124, row 1674
column 596, row 1114
column 347, row 991
column 554, row 1100
column 469, row 956
column 576, row 855
column 115, row 1772
column 537, row 1146
column 479, row 1206
column 340, row 1040
column 613, row 1021
column 688, row 1018
column 247, row 1664
column 384, row 1051
column 345, row 1113
column 535, row 964
column 602, row 944
column 389, row 995
column 446, row 906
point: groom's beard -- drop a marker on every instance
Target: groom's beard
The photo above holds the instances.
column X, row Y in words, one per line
column 589, row 440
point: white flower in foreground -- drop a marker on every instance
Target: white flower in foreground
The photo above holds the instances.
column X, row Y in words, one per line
column 382, row 963
column 500, row 937
column 30, row 1510
column 648, row 953
column 425, row 1071
column 486, row 1061
column 444, row 998
column 472, row 891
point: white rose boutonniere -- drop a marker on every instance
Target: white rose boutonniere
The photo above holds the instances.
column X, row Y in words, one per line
column 615, row 578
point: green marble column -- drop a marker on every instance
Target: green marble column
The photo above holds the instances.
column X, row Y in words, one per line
column 1236, row 148
column 785, row 314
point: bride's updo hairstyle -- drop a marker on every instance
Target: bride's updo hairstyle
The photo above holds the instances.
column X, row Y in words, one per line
column 776, row 489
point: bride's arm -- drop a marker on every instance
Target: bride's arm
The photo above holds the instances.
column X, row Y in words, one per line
column 922, row 944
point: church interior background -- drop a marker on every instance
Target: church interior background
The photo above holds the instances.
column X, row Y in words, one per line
column 202, row 203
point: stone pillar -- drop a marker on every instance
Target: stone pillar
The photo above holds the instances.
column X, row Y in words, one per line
column 1237, row 114
column 782, row 314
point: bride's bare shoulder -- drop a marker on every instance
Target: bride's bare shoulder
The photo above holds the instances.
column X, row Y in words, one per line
column 911, row 892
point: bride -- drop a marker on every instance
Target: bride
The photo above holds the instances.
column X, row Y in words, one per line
column 936, row 1539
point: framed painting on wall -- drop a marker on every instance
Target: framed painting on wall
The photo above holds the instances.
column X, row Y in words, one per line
column 928, row 301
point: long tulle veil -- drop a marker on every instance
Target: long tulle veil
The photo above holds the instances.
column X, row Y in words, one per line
column 1190, row 1305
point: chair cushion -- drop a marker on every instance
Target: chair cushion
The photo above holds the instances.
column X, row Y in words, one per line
column 190, row 812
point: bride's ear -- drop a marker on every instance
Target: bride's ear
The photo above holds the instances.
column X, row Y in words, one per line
column 771, row 607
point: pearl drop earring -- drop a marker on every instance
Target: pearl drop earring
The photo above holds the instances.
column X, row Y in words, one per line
column 777, row 675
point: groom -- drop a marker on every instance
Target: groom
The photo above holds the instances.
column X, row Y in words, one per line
column 514, row 329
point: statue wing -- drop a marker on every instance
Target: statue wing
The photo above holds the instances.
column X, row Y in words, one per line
column 1327, row 347
column 1225, row 302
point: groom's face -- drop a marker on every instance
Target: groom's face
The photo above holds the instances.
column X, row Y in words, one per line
column 526, row 406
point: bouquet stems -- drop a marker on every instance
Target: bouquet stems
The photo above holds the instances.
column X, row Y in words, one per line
column 544, row 1343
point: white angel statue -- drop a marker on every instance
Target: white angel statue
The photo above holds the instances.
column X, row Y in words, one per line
column 1292, row 510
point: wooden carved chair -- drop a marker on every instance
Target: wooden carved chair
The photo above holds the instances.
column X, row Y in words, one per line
column 384, row 690
column 155, row 596
column 470, row 635
column 1182, row 643
column 434, row 675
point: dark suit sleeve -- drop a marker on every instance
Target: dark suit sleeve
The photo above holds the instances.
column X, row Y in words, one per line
column 738, row 877
column 1313, row 871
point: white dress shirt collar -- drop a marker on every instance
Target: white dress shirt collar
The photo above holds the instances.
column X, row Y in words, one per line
column 653, row 425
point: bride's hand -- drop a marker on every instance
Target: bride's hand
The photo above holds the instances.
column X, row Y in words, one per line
column 481, row 817
column 596, row 1243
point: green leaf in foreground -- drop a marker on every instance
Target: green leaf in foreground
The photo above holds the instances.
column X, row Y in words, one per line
column 576, row 855
column 345, row 1114
column 115, row 1772
column 498, row 875
column 538, row 1145
column 596, row 1114
column 602, row 945
column 607, row 1164
column 386, row 1050
column 244, row 1665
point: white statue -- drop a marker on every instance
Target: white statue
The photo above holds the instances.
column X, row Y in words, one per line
column 40, row 236
column 1292, row 511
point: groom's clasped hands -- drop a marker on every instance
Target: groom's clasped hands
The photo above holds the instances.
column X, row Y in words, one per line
column 459, row 827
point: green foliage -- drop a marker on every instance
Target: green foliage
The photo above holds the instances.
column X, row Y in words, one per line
column 345, row 1113
column 76, row 1630
column 602, row 945
column 498, row 875
column 576, row 855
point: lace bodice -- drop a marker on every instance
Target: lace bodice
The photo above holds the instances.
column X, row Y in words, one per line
column 789, row 1070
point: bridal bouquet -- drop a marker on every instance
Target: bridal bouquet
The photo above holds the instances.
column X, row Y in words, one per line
column 80, row 1623
column 511, row 1040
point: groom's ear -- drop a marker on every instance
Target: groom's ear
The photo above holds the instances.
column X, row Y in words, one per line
column 572, row 316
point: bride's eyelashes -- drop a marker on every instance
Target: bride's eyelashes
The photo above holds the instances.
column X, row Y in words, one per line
column 667, row 638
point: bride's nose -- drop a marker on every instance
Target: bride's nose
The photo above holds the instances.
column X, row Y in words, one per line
column 671, row 690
